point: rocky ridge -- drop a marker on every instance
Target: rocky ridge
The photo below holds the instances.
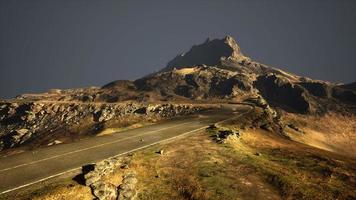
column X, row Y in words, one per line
column 35, row 121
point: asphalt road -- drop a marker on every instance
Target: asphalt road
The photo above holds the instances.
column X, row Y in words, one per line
column 28, row 168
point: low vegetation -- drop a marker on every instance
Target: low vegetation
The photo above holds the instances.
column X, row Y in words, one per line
column 331, row 131
column 233, row 160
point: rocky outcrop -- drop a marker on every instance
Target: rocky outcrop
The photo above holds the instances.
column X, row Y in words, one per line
column 281, row 92
column 317, row 88
column 347, row 96
column 201, row 82
column 98, row 179
column 223, row 135
column 342, row 93
column 262, row 103
column 28, row 121
column 105, row 167
column 127, row 189
column 209, row 53
column 104, row 191
column 350, row 86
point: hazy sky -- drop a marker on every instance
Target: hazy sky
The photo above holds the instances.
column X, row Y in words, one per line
column 77, row 43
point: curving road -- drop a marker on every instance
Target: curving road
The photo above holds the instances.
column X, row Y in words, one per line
column 28, row 168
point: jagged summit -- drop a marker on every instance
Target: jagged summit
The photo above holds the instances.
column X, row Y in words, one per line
column 211, row 53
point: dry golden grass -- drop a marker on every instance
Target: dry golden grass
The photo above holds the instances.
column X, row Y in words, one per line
column 66, row 193
column 197, row 168
column 185, row 71
column 333, row 132
column 297, row 170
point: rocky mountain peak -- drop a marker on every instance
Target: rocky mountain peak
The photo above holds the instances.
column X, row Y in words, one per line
column 231, row 42
column 211, row 52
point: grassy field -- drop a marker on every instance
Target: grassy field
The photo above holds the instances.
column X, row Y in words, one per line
column 257, row 164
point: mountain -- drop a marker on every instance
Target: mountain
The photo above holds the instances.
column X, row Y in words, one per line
column 218, row 70
column 213, row 72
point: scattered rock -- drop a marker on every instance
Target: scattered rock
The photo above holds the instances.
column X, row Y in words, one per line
column 20, row 136
column 267, row 127
column 212, row 127
column 292, row 126
column 2, row 145
column 54, row 143
column 161, row 151
column 222, row 136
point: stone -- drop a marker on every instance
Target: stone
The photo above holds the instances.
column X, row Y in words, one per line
column 128, row 194
column 20, row 136
column 127, row 189
column 141, row 111
column 103, row 115
column 130, row 180
column 54, row 143
column 126, row 186
column 92, row 177
column 104, row 191
column 161, row 151
column 2, row 145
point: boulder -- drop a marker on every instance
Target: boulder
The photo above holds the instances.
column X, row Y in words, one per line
column 127, row 189
column 104, row 191
column 20, row 136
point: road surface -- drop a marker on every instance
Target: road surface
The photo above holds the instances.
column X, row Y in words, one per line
column 28, row 168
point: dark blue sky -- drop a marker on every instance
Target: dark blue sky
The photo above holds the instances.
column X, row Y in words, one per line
column 64, row 44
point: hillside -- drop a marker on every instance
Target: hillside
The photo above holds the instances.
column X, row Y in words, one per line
column 296, row 140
